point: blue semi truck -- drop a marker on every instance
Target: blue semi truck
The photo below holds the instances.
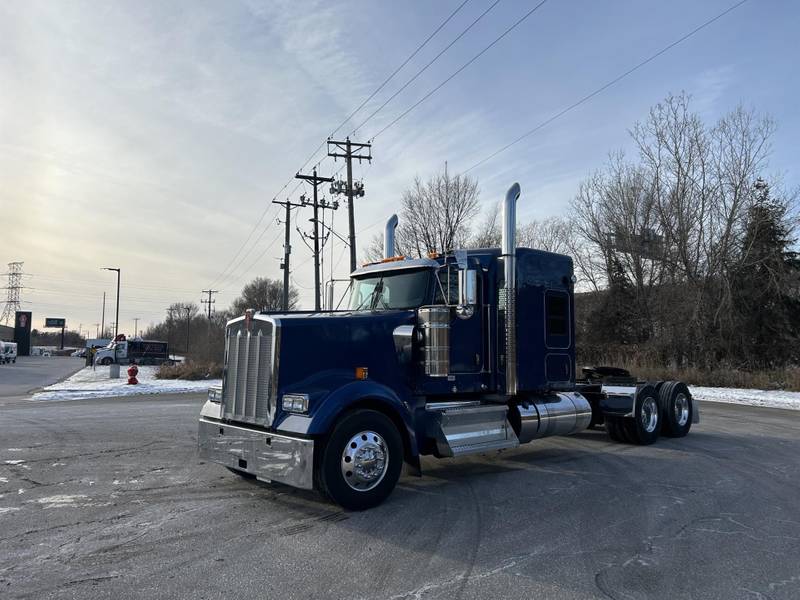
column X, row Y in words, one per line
column 469, row 352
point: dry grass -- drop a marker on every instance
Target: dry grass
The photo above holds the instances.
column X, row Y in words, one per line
column 190, row 370
column 777, row 379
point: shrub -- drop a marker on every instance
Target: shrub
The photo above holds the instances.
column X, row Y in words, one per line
column 190, row 370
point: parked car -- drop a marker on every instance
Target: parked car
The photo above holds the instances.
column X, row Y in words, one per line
column 8, row 352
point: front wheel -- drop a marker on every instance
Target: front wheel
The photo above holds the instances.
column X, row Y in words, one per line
column 361, row 461
column 106, row 361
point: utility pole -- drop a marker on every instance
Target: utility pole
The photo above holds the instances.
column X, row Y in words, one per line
column 346, row 151
column 135, row 326
column 97, row 330
column 103, row 318
column 169, row 328
column 188, row 310
column 315, row 181
column 287, row 249
column 209, row 302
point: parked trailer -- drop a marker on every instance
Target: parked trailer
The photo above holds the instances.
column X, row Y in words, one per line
column 447, row 356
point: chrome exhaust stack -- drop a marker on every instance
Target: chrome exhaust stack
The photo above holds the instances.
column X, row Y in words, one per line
column 388, row 237
column 508, row 253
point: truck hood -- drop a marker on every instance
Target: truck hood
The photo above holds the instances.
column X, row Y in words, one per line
column 319, row 353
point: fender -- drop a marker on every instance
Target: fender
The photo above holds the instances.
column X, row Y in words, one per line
column 357, row 392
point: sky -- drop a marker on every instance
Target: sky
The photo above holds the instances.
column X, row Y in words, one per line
column 152, row 136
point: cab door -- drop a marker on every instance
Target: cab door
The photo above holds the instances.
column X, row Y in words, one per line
column 468, row 356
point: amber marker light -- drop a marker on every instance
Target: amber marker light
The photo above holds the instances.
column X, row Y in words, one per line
column 361, row 373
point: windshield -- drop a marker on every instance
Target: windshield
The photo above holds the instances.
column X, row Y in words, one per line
column 387, row 291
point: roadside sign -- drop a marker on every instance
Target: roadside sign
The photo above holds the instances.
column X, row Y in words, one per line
column 53, row 322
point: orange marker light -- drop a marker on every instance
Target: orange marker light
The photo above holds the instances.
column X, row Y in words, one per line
column 361, row 372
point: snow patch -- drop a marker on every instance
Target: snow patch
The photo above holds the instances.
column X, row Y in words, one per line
column 14, row 462
column 3, row 479
column 7, row 509
column 14, row 449
column 96, row 383
column 765, row 398
column 59, row 501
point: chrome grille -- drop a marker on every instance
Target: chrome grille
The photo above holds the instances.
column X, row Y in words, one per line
column 249, row 374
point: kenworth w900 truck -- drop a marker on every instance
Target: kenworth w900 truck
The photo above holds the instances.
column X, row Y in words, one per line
column 469, row 352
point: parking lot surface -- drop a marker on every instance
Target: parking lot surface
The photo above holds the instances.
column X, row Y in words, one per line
column 108, row 499
column 33, row 372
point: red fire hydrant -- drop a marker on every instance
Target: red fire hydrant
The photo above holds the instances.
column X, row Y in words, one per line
column 133, row 371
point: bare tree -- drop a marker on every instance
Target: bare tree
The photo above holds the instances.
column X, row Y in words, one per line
column 672, row 223
column 263, row 294
column 435, row 214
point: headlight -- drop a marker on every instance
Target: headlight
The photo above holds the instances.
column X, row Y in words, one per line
column 295, row 403
column 215, row 394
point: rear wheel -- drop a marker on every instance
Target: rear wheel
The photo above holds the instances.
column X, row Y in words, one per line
column 643, row 428
column 676, row 403
column 106, row 361
column 361, row 461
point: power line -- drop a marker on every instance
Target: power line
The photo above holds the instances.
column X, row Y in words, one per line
column 397, row 70
column 605, row 86
column 425, row 68
column 229, row 269
column 382, row 85
column 322, row 144
column 462, row 67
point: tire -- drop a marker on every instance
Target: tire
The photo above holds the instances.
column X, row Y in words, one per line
column 643, row 428
column 106, row 361
column 676, row 409
column 370, row 442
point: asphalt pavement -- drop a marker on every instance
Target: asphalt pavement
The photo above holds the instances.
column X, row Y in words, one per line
column 108, row 499
column 30, row 373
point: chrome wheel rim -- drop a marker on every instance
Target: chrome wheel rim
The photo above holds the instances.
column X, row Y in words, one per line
column 681, row 409
column 649, row 414
column 364, row 461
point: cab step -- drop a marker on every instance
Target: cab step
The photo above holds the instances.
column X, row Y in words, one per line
column 461, row 428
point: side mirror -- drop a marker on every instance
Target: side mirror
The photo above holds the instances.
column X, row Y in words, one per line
column 467, row 293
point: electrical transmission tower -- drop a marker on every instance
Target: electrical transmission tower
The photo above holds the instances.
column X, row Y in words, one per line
column 315, row 181
column 348, row 151
column 209, row 302
column 14, row 286
column 287, row 248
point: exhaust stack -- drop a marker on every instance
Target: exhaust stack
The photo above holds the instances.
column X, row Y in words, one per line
column 388, row 237
column 508, row 252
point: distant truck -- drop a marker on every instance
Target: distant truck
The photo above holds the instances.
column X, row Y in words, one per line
column 122, row 351
column 97, row 343
column 8, row 352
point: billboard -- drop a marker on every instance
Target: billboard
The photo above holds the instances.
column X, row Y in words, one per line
column 53, row 322
column 22, row 333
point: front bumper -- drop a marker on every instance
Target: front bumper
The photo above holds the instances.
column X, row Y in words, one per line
column 268, row 456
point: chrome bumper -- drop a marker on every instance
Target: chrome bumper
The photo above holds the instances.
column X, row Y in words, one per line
column 268, row 456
